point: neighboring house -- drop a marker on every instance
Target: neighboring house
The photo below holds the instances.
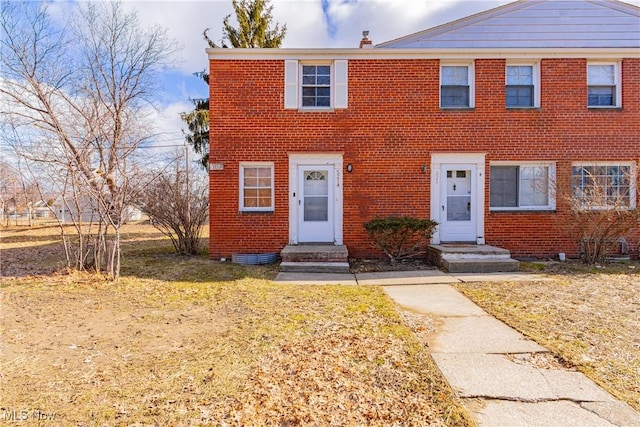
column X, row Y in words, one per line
column 86, row 211
column 70, row 211
column 484, row 124
column 39, row 209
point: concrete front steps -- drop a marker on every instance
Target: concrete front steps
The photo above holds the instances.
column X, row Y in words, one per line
column 462, row 258
column 316, row 258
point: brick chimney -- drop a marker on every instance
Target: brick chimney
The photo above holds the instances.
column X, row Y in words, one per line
column 365, row 42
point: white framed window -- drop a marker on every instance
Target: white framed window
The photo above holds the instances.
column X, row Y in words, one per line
column 522, row 85
column 522, row 186
column 256, row 187
column 603, row 85
column 457, row 85
column 604, row 185
column 316, row 85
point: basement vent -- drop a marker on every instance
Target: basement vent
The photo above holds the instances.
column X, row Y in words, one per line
column 254, row 259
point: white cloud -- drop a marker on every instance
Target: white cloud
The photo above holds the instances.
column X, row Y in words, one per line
column 185, row 21
column 339, row 24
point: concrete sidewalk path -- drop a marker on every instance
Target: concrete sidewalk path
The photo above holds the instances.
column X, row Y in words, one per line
column 391, row 278
column 503, row 378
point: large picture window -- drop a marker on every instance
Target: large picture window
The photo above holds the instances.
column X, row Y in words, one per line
column 604, row 186
column 256, row 187
column 522, row 186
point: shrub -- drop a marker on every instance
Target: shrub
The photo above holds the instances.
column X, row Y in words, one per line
column 599, row 232
column 401, row 237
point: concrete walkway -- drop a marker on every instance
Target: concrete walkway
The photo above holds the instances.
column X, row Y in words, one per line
column 502, row 378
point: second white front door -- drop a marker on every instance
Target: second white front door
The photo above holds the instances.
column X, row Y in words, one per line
column 316, row 214
column 458, row 206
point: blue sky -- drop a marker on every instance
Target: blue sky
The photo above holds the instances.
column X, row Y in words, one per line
column 310, row 23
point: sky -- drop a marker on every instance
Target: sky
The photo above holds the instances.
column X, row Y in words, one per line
column 310, row 24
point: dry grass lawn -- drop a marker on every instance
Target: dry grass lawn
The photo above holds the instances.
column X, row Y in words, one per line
column 588, row 317
column 189, row 341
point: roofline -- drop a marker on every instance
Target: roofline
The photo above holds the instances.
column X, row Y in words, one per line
column 217, row 54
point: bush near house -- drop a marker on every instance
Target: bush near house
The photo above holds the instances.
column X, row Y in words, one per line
column 401, row 237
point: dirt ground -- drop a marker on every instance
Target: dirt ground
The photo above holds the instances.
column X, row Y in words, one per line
column 189, row 341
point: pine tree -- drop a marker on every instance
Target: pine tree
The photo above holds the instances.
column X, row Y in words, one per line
column 255, row 30
column 254, row 21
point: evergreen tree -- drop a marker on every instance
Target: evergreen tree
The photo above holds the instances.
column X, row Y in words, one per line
column 255, row 30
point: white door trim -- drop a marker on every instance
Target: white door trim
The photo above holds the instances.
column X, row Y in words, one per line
column 439, row 159
column 300, row 159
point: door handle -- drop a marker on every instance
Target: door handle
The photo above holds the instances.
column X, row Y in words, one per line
column 442, row 208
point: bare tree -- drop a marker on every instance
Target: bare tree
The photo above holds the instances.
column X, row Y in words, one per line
column 177, row 202
column 78, row 96
column 602, row 209
column 9, row 189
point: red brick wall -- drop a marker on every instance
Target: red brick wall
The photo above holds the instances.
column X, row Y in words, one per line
column 391, row 128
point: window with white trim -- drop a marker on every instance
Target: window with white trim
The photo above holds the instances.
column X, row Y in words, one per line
column 256, row 187
column 603, row 85
column 522, row 186
column 604, row 185
column 315, row 85
column 522, row 85
column 456, row 86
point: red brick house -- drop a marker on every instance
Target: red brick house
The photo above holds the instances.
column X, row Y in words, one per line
column 482, row 124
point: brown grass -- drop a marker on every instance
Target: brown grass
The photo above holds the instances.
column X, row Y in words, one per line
column 591, row 320
column 186, row 340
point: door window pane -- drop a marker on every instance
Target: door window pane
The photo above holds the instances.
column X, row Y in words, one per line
column 316, row 196
column 459, row 195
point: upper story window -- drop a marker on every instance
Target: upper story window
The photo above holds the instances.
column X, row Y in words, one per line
column 603, row 85
column 607, row 185
column 456, row 86
column 522, row 186
column 522, row 86
column 315, row 85
column 256, row 187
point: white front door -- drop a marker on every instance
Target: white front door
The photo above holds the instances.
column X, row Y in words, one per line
column 316, row 214
column 458, row 203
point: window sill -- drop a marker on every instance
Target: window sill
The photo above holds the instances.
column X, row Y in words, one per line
column 457, row 108
column 316, row 110
column 251, row 212
column 524, row 109
column 604, row 108
column 516, row 210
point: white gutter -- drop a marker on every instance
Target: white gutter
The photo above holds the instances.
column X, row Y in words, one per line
column 420, row 53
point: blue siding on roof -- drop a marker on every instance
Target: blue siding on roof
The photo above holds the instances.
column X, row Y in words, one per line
column 537, row 24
